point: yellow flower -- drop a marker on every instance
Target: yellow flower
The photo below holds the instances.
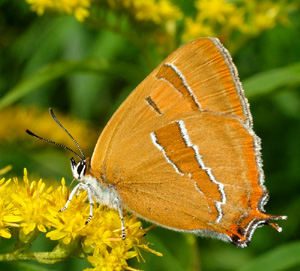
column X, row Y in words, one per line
column 101, row 237
column 9, row 215
column 30, row 199
column 114, row 260
column 77, row 7
column 226, row 19
column 266, row 17
column 70, row 224
column 81, row 13
column 159, row 12
column 195, row 29
column 32, row 207
column 212, row 18
column 215, row 10
column 40, row 5
column 169, row 11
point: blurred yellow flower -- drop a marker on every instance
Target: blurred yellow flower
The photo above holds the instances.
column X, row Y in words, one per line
column 224, row 19
column 79, row 8
column 266, row 17
column 32, row 207
column 158, row 12
column 196, row 29
column 230, row 21
column 150, row 10
column 15, row 120
column 215, row 10
column 40, row 5
column 237, row 21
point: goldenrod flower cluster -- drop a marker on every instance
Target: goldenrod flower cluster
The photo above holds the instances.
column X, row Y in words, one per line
column 166, row 22
column 222, row 17
column 29, row 208
column 148, row 10
column 142, row 10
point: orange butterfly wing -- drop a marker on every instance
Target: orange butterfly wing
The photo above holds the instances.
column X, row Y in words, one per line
column 181, row 151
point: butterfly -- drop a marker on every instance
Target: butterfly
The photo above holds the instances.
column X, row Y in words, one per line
column 181, row 151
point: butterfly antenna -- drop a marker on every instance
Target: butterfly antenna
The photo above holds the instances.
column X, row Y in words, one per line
column 57, row 121
column 52, row 142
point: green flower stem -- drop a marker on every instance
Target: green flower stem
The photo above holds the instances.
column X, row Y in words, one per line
column 41, row 257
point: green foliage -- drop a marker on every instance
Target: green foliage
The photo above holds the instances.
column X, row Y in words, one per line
column 283, row 257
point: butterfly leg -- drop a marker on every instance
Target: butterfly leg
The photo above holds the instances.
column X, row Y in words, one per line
column 91, row 201
column 90, row 196
column 76, row 188
column 119, row 207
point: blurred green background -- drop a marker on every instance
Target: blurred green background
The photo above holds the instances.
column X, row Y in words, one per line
column 85, row 69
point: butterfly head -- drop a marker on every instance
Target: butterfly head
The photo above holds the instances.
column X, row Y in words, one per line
column 78, row 169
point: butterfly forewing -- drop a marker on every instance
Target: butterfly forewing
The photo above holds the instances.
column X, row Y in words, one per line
column 204, row 79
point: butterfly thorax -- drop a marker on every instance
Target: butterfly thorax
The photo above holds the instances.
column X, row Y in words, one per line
column 101, row 191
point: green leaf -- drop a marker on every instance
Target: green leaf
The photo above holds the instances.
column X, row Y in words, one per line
column 177, row 252
column 62, row 68
column 280, row 258
column 266, row 82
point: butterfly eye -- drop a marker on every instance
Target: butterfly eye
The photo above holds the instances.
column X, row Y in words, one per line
column 81, row 168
